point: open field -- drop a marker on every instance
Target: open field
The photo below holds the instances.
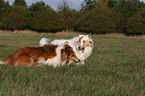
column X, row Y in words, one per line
column 115, row 68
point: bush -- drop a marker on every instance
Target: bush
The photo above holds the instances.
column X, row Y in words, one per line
column 98, row 21
column 18, row 18
column 136, row 24
column 37, row 6
column 46, row 20
column 69, row 18
column 1, row 24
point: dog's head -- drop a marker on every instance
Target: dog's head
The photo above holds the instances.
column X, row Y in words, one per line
column 84, row 41
column 70, row 54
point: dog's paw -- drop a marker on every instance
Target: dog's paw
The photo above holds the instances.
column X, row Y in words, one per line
column 80, row 63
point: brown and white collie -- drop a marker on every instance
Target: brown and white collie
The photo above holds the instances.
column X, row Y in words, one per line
column 55, row 55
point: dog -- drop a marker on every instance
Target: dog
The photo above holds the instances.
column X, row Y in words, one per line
column 82, row 45
column 44, row 41
column 50, row 54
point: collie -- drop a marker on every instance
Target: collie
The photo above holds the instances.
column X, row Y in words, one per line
column 55, row 55
column 82, row 45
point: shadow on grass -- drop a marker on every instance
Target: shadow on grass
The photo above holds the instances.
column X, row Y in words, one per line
column 2, row 45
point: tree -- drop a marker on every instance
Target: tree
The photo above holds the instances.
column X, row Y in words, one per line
column 46, row 20
column 102, row 4
column 136, row 23
column 17, row 19
column 20, row 3
column 126, row 7
column 4, row 9
column 63, row 6
column 89, row 4
column 68, row 15
column 69, row 18
column 112, row 3
column 37, row 6
column 98, row 21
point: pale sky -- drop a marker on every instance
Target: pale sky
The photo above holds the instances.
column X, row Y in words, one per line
column 74, row 4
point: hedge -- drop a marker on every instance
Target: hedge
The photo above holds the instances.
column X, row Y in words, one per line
column 98, row 21
column 17, row 19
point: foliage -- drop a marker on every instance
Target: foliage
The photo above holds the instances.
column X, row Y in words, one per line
column 46, row 20
column 17, row 19
column 97, row 16
column 37, row 6
column 126, row 7
column 136, row 23
column 2, row 3
column 64, row 6
column 102, row 4
column 20, row 3
column 98, row 21
column 69, row 18
column 121, row 25
column 4, row 9
column 89, row 4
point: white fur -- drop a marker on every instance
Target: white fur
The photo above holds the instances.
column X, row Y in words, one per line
column 73, row 43
column 43, row 41
column 1, row 62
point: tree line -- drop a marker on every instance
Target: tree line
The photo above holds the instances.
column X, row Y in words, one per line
column 95, row 16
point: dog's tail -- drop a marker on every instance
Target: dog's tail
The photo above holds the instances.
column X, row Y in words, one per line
column 44, row 41
column 1, row 62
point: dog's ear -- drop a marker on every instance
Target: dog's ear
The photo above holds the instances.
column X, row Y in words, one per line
column 90, row 35
column 67, row 49
column 45, row 48
column 80, row 39
column 67, row 52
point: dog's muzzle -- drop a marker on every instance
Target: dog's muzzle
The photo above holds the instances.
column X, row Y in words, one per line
column 82, row 49
column 76, row 61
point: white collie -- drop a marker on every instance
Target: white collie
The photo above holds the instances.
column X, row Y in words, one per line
column 82, row 45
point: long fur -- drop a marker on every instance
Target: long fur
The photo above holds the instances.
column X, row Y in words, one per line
column 44, row 41
column 35, row 56
column 82, row 45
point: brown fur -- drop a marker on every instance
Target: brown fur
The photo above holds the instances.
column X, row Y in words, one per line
column 29, row 56
column 79, row 42
column 68, row 54
column 87, row 44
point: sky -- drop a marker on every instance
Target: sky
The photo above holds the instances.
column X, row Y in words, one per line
column 74, row 4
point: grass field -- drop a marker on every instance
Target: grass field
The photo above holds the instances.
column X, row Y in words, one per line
column 115, row 68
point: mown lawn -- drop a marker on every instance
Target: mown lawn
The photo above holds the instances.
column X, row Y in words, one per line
column 115, row 68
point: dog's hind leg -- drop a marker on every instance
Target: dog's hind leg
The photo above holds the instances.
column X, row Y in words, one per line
column 34, row 62
column 8, row 60
column 23, row 61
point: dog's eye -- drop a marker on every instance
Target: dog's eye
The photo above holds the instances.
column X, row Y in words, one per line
column 73, row 55
column 90, row 42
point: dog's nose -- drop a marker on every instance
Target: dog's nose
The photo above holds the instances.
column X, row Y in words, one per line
column 79, row 60
column 79, row 47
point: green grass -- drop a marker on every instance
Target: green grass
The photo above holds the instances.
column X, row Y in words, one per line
column 115, row 68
